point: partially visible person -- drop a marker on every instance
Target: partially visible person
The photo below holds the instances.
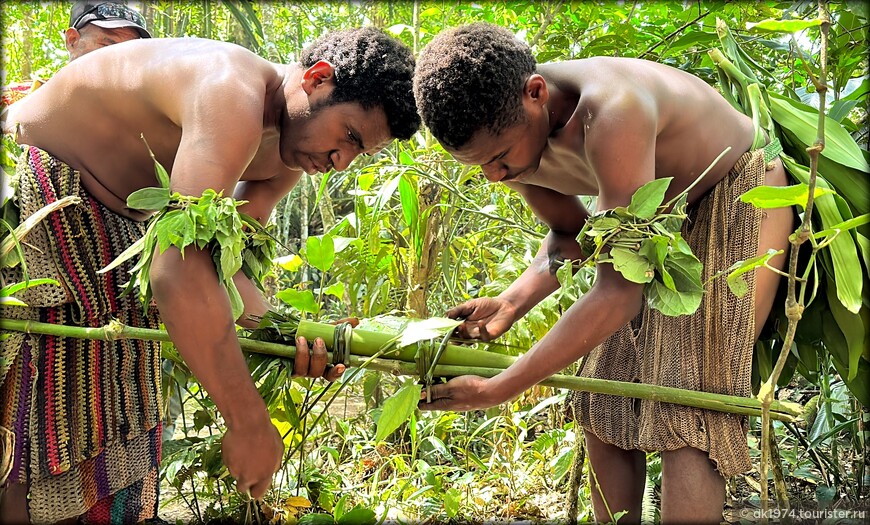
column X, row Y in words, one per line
column 606, row 126
column 92, row 25
column 85, row 416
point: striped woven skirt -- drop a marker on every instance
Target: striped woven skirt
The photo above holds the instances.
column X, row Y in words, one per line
column 84, row 415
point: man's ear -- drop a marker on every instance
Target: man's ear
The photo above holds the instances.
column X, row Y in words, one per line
column 536, row 89
column 321, row 73
column 71, row 37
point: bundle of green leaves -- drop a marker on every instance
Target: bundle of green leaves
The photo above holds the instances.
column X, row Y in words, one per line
column 644, row 244
column 208, row 222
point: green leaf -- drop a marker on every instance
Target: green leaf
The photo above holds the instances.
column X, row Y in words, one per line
column 671, row 303
column 783, row 26
column 358, row 515
column 843, row 250
column 320, row 252
column 852, row 327
column 336, row 290
column 735, row 276
column 237, row 305
column 451, row 502
column 150, row 199
column 316, row 519
column 632, row 266
column 802, row 121
column 647, row 199
column 410, row 202
column 11, row 289
column 301, row 300
column 765, row 197
column 174, row 229
column 398, row 408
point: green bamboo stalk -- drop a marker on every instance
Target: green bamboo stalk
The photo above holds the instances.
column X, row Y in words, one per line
column 457, row 361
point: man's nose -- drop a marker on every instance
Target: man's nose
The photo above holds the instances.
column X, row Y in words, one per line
column 341, row 160
column 493, row 172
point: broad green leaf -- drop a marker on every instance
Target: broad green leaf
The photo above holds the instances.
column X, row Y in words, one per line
column 301, row 300
column 291, row 263
column 365, row 180
column 852, row 327
column 397, row 409
column 320, row 252
column 672, row 303
column 783, row 26
column 316, row 519
column 358, row 516
column 802, row 121
column 174, row 229
column 452, row 498
column 336, row 290
column 632, row 266
column 602, row 224
column 647, row 199
column 835, row 342
column 781, row 196
column 150, row 199
column 406, row 159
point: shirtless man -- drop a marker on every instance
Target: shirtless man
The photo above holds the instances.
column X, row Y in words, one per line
column 216, row 116
column 605, row 126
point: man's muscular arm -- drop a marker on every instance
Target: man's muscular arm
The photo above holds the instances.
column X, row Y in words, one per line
column 216, row 148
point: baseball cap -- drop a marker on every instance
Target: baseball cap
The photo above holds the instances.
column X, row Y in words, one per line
column 108, row 15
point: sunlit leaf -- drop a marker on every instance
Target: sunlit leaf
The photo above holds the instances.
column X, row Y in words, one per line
column 398, row 408
column 781, row 196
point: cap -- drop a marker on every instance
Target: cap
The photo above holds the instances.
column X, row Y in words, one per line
column 109, row 15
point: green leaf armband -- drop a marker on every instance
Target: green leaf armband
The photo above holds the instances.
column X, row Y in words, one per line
column 211, row 221
column 644, row 244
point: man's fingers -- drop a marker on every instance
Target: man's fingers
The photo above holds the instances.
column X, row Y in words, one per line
column 463, row 310
column 334, row 372
column 259, row 490
column 300, row 363
column 318, row 359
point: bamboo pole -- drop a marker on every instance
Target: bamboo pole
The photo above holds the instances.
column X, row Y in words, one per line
column 455, row 361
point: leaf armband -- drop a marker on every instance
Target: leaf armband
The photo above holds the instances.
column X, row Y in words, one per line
column 209, row 222
column 644, row 244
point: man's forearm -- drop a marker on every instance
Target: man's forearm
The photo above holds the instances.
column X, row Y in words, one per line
column 538, row 280
column 591, row 320
column 196, row 311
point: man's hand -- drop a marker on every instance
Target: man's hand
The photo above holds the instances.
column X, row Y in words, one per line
column 460, row 394
column 312, row 362
column 485, row 318
column 253, row 453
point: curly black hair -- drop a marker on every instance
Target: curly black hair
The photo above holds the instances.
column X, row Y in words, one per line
column 471, row 78
column 372, row 69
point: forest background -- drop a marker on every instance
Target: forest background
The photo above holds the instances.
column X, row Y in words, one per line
column 409, row 233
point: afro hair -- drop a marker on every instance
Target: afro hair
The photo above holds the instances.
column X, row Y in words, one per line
column 471, row 78
column 372, row 69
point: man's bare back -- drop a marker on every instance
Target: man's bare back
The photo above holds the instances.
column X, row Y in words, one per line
column 94, row 112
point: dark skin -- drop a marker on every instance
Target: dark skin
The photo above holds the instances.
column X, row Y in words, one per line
column 605, row 126
column 216, row 116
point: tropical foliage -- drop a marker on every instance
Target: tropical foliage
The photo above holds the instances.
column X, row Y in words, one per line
column 409, row 233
